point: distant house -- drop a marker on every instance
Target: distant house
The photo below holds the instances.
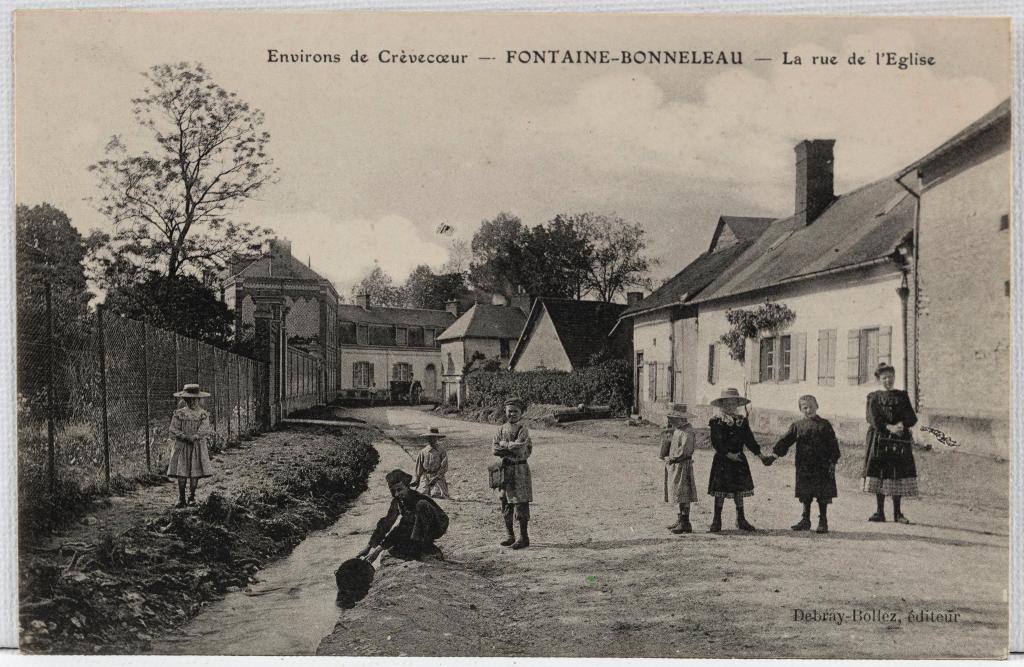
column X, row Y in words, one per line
column 664, row 324
column 378, row 344
column 308, row 300
column 484, row 332
column 566, row 334
column 962, row 321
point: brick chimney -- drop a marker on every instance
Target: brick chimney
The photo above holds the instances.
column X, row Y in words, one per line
column 633, row 297
column 523, row 302
column 279, row 247
column 452, row 307
column 814, row 178
column 363, row 300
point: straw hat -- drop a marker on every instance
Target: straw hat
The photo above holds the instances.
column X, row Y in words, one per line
column 730, row 396
column 191, row 391
column 433, row 433
column 678, row 414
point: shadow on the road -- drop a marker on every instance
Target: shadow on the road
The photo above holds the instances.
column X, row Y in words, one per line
column 962, row 530
column 601, row 546
column 873, row 537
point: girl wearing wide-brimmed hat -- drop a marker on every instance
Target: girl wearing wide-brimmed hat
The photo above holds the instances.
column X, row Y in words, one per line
column 889, row 468
column 512, row 443
column 730, row 474
column 432, row 465
column 190, row 454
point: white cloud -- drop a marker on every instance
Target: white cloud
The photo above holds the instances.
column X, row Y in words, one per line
column 343, row 251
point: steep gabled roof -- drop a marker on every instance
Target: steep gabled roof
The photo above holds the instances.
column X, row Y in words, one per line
column 486, row 321
column 689, row 282
column 582, row 326
column 863, row 226
column 740, row 228
column 439, row 319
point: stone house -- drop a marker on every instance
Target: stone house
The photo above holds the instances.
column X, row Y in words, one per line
column 961, row 361
column 664, row 324
column 378, row 344
column 566, row 334
column 484, row 332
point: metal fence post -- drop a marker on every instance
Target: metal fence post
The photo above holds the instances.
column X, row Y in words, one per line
column 227, row 394
column 177, row 370
column 238, row 399
column 51, row 456
column 103, row 394
column 215, row 397
column 145, row 393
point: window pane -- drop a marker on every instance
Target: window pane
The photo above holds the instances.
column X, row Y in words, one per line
column 347, row 333
column 767, row 359
column 785, row 354
column 403, row 337
column 428, row 337
column 382, row 335
column 416, row 336
column 362, row 335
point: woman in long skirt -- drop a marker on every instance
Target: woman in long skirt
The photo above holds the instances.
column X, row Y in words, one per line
column 889, row 468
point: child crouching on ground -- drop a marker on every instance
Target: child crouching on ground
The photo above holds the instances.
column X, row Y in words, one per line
column 680, row 487
column 817, row 452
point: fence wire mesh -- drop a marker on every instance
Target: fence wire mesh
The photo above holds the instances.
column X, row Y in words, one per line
column 96, row 394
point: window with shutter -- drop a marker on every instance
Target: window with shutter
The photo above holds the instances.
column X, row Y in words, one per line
column 827, row 357
column 868, row 354
column 652, row 381
column 885, row 345
column 853, row 356
column 785, row 358
column 711, row 364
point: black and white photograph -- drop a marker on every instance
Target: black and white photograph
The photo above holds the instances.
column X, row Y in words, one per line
column 512, row 334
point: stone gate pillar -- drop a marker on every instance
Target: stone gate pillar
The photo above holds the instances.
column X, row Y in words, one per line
column 268, row 342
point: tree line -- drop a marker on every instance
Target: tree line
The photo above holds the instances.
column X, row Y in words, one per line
column 173, row 200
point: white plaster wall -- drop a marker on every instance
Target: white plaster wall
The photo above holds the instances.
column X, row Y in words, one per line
column 839, row 304
column 543, row 349
column 383, row 359
column 652, row 336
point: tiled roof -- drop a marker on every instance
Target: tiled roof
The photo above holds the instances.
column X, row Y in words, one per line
column 689, row 282
column 439, row 319
column 582, row 326
column 860, row 226
column 486, row 321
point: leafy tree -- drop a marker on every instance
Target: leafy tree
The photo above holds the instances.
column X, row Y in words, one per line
column 498, row 257
column 617, row 260
column 180, row 303
column 49, row 250
column 556, row 259
column 425, row 289
column 381, row 288
column 460, row 256
column 172, row 207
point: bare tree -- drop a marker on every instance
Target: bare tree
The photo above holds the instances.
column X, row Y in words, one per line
column 172, row 207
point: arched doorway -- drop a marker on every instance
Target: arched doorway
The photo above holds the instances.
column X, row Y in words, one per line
column 430, row 382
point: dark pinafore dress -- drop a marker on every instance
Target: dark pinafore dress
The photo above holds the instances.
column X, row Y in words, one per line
column 889, row 467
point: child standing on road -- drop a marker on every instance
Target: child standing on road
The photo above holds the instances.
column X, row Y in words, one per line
column 679, row 485
column 190, row 454
column 512, row 443
column 817, row 452
column 432, row 465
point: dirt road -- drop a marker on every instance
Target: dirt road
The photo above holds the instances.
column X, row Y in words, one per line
column 605, row 578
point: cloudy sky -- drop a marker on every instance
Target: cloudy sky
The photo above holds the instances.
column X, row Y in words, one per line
column 373, row 157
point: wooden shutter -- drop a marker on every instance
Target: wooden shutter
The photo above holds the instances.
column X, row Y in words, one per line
column 885, row 345
column 370, row 374
column 752, row 357
column 823, row 356
column 718, row 360
column 853, row 356
column 652, row 380
column 711, row 364
column 798, row 357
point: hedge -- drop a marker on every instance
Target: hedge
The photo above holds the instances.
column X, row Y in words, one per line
column 608, row 383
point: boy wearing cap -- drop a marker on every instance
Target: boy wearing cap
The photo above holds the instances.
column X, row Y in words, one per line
column 432, row 465
column 512, row 443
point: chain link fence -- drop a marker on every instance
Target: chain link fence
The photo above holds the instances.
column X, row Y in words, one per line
column 95, row 395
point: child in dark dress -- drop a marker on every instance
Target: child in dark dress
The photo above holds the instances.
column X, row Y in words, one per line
column 817, row 452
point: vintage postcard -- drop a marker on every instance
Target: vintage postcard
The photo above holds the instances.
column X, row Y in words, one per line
column 513, row 334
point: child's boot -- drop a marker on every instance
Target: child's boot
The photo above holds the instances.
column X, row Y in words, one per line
column 741, row 520
column 822, row 517
column 524, row 535
column 678, row 524
column 510, row 535
column 716, row 521
column 805, row 520
column 181, row 496
column 684, row 523
column 879, row 515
